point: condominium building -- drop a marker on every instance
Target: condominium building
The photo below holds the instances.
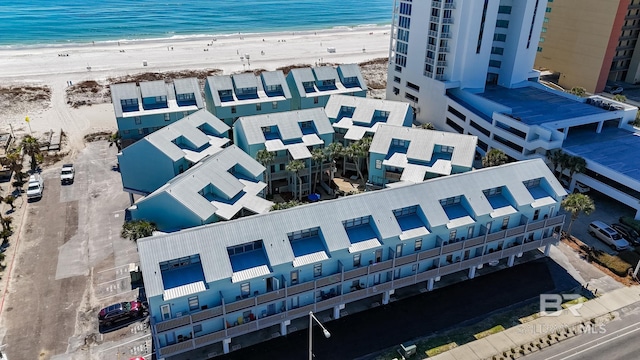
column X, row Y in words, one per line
column 209, row 286
column 311, row 87
column 223, row 186
column 151, row 162
column 290, row 135
column 145, row 108
column 232, row 96
column 404, row 155
column 590, row 42
column 356, row 117
column 477, row 78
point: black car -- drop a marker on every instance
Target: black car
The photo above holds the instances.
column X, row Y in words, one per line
column 120, row 311
column 627, row 232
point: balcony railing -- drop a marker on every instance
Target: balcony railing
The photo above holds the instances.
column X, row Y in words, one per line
column 344, row 279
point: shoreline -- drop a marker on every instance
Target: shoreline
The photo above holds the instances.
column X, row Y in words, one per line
column 181, row 37
column 227, row 53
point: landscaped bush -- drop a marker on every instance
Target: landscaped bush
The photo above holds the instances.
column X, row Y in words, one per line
column 614, row 263
column 628, row 220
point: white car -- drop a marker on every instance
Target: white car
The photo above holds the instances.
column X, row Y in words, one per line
column 67, row 174
column 35, row 187
column 578, row 188
column 613, row 90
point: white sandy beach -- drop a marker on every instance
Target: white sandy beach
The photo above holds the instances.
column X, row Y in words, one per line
column 45, row 66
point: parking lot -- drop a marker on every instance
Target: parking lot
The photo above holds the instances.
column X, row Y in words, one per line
column 69, row 263
column 607, row 210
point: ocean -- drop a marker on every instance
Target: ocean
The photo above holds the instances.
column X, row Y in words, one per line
column 64, row 22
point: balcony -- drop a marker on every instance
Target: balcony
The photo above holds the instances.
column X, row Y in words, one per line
column 433, row 33
column 344, row 279
column 447, row 21
column 449, row 5
column 435, row 19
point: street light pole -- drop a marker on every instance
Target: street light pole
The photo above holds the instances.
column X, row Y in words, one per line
column 326, row 332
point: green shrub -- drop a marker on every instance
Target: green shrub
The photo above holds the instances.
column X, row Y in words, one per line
column 628, row 220
column 614, row 263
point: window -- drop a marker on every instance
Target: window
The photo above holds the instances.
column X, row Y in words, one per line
column 403, row 35
column 404, row 22
column 536, row 214
column 303, row 234
column 396, row 91
column 197, row 328
column 233, row 109
column 294, row 277
column 405, row 8
column 411, row 97
column 402, row 48
column 502, row 24
column 456, row 113
column 401, row 60
column 497, row 50
column 315, row 100
column 167, row 117
column 137, row 120
column 504, row 10
column 317, row 270
column 532, row 183
column 500, row 37
column 243, row 248
column 258, row 107
column 413, row 86
column 166, row 312
column 492, row 192
column 396, row 79
column 245, row 290
column 378, row 164
column 495, row 63
column 398, row 250
column 505, row 222
column 452, row 235
column 274, row 105
column 418, row 245
column 193, row 303
column 356, row 260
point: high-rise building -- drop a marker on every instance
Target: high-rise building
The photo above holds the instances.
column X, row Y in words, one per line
column 437, row 45
column 467, row 67
column 590, row 42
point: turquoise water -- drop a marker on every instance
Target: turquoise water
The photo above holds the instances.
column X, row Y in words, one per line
column 39, row 22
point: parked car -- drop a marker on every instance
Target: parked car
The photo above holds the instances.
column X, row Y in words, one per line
column 609, row 236
column 579, row 188
column 613, row 90
column 120, row 311
column 627, row 232
column 67, row 174
column 35, row 187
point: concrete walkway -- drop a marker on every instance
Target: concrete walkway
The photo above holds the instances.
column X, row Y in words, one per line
column 498, row 344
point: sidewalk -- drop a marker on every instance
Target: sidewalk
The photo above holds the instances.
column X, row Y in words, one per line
column 529, row 334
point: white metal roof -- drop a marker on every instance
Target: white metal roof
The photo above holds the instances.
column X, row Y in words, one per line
column 422, row 144
column 211, row 241
column 288, row 124
column 186, row 128
column 184, row 290
column 153, row 88
column 362, row 120
column 214, row 171
column 248, row 80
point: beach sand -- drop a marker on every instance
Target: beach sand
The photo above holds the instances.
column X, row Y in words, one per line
column 55, row 66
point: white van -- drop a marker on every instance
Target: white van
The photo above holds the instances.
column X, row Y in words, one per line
column 609, row 236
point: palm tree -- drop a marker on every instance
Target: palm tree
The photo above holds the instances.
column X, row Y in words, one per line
column 318, row 156
column 427, row 126
column 578, row 91
column 136, row 229
column 31, row 147
column 555, row 157
column 365, row 145
column 13, row 161
column 295, row 166
column 565, row 160
column 620, row 98
column 114, row 139
column 355, row 153
column 265, row 158
column 575, row 204
column 9, row 201
column 334, row 151
column 495, row 157
column 576, row 164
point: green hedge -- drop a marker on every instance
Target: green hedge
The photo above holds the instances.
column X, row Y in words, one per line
column 628, row 220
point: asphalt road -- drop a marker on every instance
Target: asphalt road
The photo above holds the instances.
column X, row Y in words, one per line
column 383, row 327
column 616, row 340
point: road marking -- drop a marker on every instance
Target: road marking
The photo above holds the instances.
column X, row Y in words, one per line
column 596, row 340
column 110, row 281
column 113, row 268
column 125, row 343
